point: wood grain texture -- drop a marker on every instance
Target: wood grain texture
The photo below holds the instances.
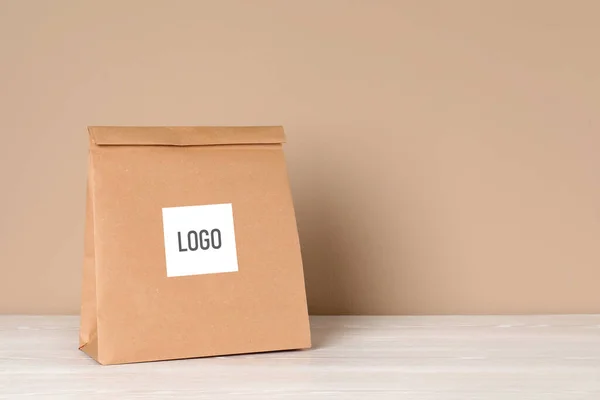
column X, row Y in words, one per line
column 422, row 358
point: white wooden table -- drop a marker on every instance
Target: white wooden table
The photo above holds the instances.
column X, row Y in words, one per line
column 528, row 357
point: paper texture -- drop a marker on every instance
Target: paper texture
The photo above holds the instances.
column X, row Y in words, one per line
column 241, row 289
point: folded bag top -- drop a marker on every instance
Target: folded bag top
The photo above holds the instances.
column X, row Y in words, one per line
column 185, row 136
column 191, row 245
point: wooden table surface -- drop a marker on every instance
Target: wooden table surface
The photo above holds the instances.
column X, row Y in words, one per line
column 366, row 358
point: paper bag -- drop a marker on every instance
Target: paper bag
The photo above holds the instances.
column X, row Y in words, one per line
column 191, row 245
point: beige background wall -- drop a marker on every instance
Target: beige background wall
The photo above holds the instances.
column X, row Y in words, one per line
column 443, row 154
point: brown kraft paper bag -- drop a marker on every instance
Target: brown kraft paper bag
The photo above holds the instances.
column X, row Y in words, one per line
column 191, row 245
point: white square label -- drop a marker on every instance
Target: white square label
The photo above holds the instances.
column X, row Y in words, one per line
column 199, row 240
